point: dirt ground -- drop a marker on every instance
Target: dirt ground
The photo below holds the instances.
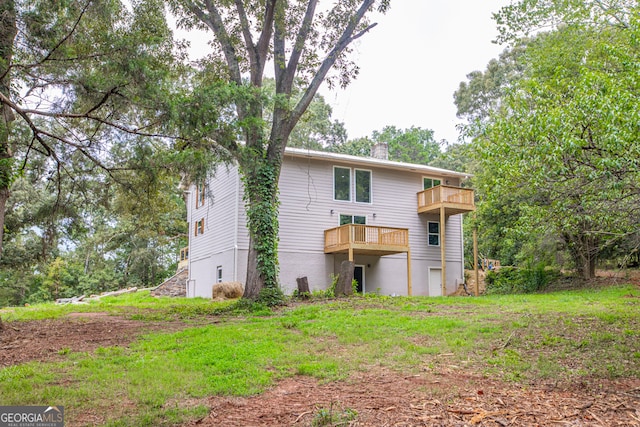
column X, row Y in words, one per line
column 47, row 340
column 384, row 398
column 377, row 397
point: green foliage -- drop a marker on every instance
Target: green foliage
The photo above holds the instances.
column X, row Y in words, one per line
column 271, row 296
column 412, row 145
column 333, row 416
column 557, row 169
column 261, row 203
column 512, row 280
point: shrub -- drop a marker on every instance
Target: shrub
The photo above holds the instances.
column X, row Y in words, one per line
column 513, row 280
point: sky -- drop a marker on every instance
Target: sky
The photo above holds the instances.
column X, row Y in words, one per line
column 412, row 62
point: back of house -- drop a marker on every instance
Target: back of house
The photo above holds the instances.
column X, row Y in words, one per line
column 400, row 223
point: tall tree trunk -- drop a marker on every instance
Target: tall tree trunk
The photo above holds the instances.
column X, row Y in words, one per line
column 8, row 31
column 261, row 199
column 584, row 253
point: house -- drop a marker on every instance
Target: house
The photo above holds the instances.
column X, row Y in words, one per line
column 400, row 223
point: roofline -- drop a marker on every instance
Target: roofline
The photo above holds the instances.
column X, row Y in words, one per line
column 371, row 161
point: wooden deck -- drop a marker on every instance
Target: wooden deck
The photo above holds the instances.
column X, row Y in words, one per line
column 366, row 240
column 184, row 258
column 454, row 200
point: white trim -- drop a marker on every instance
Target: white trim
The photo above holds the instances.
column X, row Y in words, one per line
column 432, row 178
column 355, row 184
column 434, row 234
column 372, row 162
column 366, row 219
column 350, row 199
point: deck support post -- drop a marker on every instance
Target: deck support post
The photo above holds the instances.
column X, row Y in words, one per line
column 475, row 256
column 443, row 251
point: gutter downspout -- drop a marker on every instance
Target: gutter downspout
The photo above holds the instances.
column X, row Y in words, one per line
column 189, row 223
column 462, row 246
column 235, row 228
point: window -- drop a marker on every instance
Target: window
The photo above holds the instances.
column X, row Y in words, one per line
column 363, row 186
column 199, row 227
column 184, row 254
column 342, row 184
column 200, row 195
column 219, row 274
column 352, row 219
column 429, row 183
column 433, row 230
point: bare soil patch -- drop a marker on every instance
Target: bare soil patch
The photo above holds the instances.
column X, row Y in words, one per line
column 45, row 340
column 385, row 398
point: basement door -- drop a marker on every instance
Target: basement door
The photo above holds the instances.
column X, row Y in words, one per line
column 435, row 282
column 358, row 274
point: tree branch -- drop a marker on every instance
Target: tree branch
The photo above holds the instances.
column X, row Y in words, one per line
column 346, row 38
column 263, row 42
column 275, row 147
column 298, row 47
column 69, row 34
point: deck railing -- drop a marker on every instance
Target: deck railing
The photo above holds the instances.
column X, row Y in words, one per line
column 356, row 234
column 443, row 194
column 184, row 257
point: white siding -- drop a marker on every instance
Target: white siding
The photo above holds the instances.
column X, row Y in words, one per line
column 307, row 209
column 306, row 202
column 216, row 246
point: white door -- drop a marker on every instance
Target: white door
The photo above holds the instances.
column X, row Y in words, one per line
column 435, row 282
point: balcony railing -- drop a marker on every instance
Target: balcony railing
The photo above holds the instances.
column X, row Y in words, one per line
column 184, row 258
column 366, row 239
column 455, row 200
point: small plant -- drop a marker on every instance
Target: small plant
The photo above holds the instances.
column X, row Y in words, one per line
column 333, row 416
column 271, row 296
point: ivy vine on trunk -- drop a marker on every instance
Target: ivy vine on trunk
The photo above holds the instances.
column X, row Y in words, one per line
column 304, row 46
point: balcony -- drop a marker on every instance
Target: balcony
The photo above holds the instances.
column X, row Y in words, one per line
column 184, row 258
column 454, row 200
column 366, row 240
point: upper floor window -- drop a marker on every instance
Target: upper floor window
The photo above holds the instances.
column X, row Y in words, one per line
column 433, row 230
column 363, row 186
column 342, row 184
column 200, row 195
column 428, row 183
column 199, row 229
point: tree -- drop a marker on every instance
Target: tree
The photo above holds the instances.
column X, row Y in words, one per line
column 481, row 95
column 304, row 45
column 564, row 141
column 412, row 145
column 77, row 79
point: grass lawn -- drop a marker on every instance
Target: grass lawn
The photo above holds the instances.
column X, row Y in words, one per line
column 569, row 337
